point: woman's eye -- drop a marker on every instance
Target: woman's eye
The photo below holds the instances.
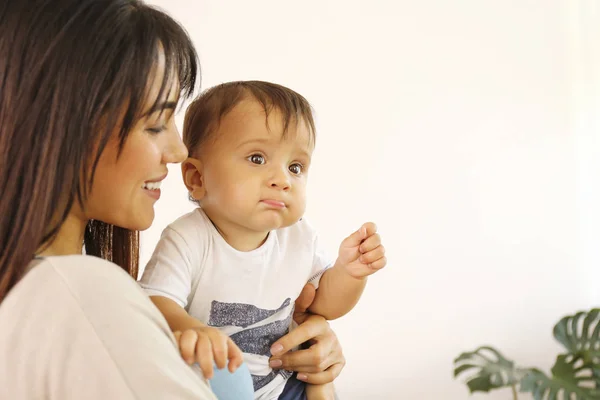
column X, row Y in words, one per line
column 256, row 159
column 296, row 169
column 156, row 130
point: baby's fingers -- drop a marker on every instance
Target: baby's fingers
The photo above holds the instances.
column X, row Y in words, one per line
column 370, row 243
column 235, row 355
column 373, row 255
column 378, row 264
column 187, row 345
column 219, row 343
column 204, row 356
column 177, row 335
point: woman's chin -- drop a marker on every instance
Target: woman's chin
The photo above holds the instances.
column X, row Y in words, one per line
column 139, row 222
column 145, row 224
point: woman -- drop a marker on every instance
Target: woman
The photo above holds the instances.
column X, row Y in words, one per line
column 88, row 89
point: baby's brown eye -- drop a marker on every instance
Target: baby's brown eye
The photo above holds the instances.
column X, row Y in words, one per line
column 256, row 159
column 296, row 169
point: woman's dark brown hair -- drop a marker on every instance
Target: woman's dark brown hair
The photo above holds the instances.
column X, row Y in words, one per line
column 71, row 73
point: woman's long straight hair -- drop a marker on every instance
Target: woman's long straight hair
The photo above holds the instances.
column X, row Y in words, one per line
column 72, row 72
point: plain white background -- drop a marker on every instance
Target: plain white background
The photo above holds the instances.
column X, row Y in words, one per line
column 468, row 131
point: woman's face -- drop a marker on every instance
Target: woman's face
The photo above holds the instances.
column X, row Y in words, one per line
column 127, row 185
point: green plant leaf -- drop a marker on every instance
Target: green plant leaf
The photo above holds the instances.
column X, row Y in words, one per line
column 581, row 340
column 575, row 375
column 570, row 380
column 491, row 370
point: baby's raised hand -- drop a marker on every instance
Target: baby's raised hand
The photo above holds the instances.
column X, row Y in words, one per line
column 208, row 346
column 362, row 254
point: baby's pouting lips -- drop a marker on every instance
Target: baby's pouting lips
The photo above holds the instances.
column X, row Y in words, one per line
column 274, row 203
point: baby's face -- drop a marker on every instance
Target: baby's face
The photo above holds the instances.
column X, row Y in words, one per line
column 254, row 176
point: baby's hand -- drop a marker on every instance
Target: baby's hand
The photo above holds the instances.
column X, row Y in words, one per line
column 208, row 346
column 362, row 254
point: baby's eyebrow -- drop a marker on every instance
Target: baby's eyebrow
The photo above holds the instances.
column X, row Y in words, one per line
column 305, row 153
column 253, row 141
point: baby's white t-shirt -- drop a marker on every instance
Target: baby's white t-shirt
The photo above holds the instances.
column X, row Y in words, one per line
column 248, row 295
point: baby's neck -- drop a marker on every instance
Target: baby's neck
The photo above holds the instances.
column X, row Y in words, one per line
column 239, row 238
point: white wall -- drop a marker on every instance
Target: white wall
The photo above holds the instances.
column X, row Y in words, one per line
column 457, row 127
column 586, row 51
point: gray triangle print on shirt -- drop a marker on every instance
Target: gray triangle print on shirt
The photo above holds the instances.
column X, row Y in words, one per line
column 240, row 314
column 257, row 340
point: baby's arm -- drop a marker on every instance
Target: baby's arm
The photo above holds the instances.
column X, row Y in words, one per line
column 167, row 280
column 198, row 342
column 338, row 293
column 176, row 316
column 361, row 254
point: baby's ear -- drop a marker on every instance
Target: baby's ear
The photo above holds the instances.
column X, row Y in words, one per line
column 193, row 178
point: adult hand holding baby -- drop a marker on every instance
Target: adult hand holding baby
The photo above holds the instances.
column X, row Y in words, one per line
column 323, row 360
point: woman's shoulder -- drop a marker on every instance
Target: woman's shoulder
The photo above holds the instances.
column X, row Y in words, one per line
column 80, row 276
column 85, row 286
column 83, row 317
column 74, row 266
column 79, row 287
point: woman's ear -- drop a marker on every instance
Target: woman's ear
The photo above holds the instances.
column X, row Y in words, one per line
column 191, row 169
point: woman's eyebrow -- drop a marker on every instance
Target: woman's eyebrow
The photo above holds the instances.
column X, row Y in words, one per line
column 165, row 105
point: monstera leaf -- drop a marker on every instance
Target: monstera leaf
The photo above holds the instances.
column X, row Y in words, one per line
column 490, row 370
column 575, row 375
column 569, row 381
column 581, row 339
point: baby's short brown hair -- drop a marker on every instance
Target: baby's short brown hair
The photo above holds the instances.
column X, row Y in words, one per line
column 204, row 114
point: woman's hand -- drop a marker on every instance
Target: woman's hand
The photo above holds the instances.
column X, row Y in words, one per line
column 323, row 360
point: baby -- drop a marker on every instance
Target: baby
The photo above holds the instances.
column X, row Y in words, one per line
column 225, row 276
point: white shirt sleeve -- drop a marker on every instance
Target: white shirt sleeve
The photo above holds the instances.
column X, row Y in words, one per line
column 322, row 260
column 169, row 271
